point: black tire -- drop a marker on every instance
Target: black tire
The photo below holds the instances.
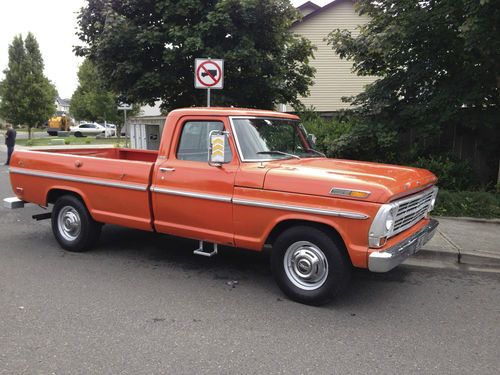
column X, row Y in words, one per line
column 311, row 249
column 79, row 135
column 67, row 211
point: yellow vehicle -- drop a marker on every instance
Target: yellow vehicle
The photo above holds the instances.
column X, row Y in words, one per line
column 58, row 123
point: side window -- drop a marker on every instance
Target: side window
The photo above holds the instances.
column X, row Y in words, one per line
column 194, row 140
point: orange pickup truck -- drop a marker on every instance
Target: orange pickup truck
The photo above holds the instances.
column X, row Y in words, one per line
column 240, row 178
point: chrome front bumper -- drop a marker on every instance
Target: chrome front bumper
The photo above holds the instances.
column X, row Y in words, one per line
column 386, row 260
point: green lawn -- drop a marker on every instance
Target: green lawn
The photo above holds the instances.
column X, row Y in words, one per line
column 33, row 130
column 70, row 141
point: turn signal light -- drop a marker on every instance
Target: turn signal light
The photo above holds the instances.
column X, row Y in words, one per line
column 350, row 193
column 359, row 194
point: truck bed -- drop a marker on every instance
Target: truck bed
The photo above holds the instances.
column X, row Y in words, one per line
column 114, row 183
column 110, row 153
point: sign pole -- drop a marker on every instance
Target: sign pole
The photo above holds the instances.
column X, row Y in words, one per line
column 208, row 98
column 124, row 107
column 125, row 125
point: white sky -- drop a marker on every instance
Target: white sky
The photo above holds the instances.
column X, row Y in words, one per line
column 53, row 22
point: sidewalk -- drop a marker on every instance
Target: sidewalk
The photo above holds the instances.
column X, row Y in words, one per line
column 463, row 242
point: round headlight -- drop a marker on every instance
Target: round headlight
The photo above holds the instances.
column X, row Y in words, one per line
column 389, row 222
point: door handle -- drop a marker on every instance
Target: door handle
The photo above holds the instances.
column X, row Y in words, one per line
column 163, row 169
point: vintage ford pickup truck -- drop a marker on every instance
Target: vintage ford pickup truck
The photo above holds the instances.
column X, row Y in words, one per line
column 239, row 178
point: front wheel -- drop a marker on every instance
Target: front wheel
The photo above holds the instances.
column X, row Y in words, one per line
column 309, row 266
column 73, row 227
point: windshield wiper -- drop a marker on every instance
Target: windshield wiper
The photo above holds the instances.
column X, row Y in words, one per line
column 278, row 153
column 316, row 152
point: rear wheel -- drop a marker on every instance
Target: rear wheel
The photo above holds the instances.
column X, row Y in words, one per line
column 309, row 266
column 73, row 227
column 78, row 134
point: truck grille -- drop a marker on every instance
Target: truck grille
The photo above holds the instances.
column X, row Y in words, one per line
column 411, row 210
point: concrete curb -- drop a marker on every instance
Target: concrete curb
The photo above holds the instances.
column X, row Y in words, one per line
column 478, row 260
column 470, row 219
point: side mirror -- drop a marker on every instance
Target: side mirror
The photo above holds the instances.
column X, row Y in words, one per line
column 216, row 148
column 311, row 138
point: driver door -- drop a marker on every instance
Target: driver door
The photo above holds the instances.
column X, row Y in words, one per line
column 191, row 198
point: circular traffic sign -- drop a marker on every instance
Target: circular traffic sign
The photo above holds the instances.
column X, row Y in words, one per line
column 209, row 73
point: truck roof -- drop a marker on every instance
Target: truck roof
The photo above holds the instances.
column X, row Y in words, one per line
column 229, row 111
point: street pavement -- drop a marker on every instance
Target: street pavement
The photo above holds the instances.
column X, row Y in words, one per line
column 142, row 303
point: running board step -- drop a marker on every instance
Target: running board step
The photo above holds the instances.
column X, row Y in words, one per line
column 201, row 251
column 44, row 216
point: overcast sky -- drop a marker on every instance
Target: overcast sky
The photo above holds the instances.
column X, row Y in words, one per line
column 53, row 22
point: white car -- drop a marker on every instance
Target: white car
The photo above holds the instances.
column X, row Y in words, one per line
column 89, row 129
column 111, row 129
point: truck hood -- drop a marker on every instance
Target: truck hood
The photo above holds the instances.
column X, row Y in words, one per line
column 319, row 176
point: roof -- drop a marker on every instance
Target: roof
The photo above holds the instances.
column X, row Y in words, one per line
column 309, row 4
column 62, row 101
column 229, row 111
column 321, row 9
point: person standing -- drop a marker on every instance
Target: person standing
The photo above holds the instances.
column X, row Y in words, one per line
column 10, row 142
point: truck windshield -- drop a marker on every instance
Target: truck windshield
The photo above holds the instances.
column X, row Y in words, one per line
column 270, row 138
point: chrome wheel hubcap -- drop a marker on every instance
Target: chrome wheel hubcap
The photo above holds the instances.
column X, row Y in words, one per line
column 69, row 223
column 306, row 265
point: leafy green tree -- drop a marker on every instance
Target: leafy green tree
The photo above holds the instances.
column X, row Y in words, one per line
column 91, row 100
column 27, row 96
column 146, row 49
column 438, row 62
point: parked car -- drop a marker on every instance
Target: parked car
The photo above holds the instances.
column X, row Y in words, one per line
column 89, row 129
column 111, row 129
column 239, row 178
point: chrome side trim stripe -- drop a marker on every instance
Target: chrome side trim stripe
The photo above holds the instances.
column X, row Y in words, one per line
column 308, row 210
column 218, row 198
column 245, row 202
column 85, row 180
column 183, row 193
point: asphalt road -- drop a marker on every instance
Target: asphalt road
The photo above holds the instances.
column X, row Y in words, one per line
column 143, row 304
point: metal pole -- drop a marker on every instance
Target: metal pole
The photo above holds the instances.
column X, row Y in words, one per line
column 125, row 125
column 208, row 98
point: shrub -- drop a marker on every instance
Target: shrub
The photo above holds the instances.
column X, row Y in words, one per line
column 350, row 137
column 468, row 203
column 67, row 141
column 29, row 142
column 454, row 174
column 88, row 141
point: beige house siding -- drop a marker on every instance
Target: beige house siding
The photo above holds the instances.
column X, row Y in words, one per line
column 334, row 78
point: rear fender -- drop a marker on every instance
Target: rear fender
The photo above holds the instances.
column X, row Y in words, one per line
column 59, row 190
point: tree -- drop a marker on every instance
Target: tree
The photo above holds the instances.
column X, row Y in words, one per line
column 27, row 96
column 91, row 100
column 146, row 49
column 438, row 62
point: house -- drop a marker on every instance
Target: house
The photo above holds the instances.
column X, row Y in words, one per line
column 334, row 78
column 62, row 105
